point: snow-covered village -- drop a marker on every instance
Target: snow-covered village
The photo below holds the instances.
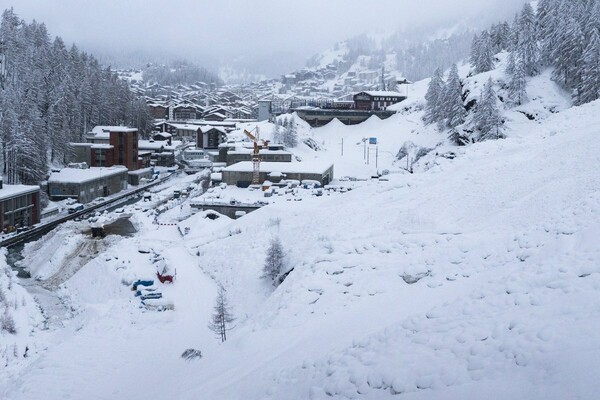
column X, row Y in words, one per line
column 309, row 200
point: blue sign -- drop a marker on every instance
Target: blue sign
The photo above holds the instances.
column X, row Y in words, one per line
column 372, row 140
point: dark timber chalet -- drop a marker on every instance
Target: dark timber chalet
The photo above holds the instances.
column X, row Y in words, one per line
column 376, row 100
column 362, row 107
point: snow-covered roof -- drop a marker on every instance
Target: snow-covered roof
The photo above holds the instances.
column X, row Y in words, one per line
column 76, row 175
column 207, row 128
column 312, row 167
column 102, row 146
column 249, row 151
column 122, row 129
column 101, row 135
column 185, row 127
column 141, row 171
column 228, row 123
column 9, row 191
column 216, row 114
column 148, row 145
column 101, row 131
column 382, row 93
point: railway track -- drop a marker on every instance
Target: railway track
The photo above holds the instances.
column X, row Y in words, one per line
column 43, row 228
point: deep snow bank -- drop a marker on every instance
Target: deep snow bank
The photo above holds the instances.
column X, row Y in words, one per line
column 478, row 273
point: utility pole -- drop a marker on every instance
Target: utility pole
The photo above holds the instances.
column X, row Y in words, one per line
column 368, row 155
column 342, row 147
column 365, row 149
column 376, row 157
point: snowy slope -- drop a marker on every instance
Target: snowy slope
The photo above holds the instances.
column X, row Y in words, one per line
column 503, row 239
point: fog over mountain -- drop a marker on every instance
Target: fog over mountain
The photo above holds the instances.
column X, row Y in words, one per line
column 266, row 37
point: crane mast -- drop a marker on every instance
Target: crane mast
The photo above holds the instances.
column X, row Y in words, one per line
column 255, row 156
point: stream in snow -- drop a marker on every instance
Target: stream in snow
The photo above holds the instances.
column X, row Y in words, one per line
column 13, row 256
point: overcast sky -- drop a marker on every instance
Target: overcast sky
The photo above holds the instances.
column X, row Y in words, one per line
column 222, row 29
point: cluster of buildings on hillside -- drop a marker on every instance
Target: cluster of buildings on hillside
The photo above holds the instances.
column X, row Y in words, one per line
column 329, row 81
column 310, row 82
column 196, row 102
column 326, row 87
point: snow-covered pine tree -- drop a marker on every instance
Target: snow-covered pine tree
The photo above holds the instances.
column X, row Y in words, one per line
column 487, row 115
column 275, row 261
column 514, row 34
column 594, row 17
column 546, row 25
column 55, row 96
column 434, row 98
column 58, row 110
column 527, row 48
column 457, row 137
column 500, row 37
column 474, row 54
column 7, row 323
column 589, row 18
column 510, row 63
column 290, row 133
column 453, row 108
column 517, row 86
column 482, row 55
column 567, row 51
column 277, row 136
column 589, row 89
column 222, row 317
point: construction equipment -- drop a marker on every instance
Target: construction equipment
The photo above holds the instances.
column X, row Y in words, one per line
column 250, row 135
column 255, row 155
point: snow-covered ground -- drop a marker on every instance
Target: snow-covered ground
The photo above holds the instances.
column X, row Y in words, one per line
column 474, row 277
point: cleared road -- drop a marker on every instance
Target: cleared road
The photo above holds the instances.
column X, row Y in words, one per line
column 43, row 228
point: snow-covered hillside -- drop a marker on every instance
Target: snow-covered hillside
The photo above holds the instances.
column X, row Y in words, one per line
column 475, row 277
